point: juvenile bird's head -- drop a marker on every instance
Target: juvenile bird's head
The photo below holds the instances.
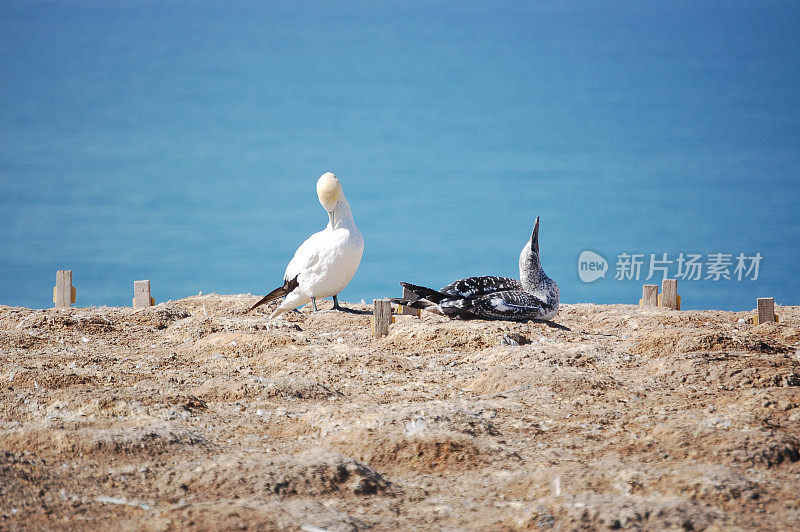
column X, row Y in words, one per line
column 530, row 266
column 530, row 253
column 329, row 189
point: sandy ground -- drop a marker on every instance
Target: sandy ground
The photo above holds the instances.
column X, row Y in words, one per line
column 193, row 415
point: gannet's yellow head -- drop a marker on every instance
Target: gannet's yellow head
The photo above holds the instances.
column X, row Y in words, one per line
column 328, row 190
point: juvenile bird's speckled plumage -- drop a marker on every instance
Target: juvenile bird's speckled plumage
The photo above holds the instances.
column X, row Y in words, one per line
column 534, row 297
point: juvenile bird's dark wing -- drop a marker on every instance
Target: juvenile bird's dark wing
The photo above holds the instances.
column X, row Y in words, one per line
column 472, row 287
column 516, row 305
column 495, row 301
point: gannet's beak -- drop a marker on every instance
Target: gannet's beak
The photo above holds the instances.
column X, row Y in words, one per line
column 332, row 213
column 535, row 237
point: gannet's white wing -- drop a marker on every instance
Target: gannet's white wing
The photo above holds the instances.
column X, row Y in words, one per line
column 307, row 256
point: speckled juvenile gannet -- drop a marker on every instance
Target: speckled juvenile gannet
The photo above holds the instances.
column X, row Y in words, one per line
column 324, row 264
column 534, row 297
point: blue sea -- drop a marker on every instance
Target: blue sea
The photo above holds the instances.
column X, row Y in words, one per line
column 180, row 142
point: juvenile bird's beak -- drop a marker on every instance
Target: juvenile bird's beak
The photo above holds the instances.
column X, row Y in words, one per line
column 330, row 215
column 535, row 237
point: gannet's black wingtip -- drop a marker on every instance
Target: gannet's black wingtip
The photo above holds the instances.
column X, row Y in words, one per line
column 281, row 291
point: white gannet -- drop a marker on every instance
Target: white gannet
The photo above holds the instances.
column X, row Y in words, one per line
column 324, row 264
column 534, row 297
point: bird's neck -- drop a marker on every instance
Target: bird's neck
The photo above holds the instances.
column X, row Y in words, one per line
column 530, row 269
column 342, row 216
column 532, row 276
column 536, row 282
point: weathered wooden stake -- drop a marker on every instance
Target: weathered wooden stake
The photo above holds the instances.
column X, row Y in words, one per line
column 766, row 310
column 63, row 292
column 649, row 295
column 669, row 297
column 141, row 294
column 381, row 317
column 408, row 294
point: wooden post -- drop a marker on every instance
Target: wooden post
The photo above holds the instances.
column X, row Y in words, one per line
column 381, row 317
column 766, row 310
column 63, row 292
column 411, row 296
column 669, row 297
column 649, row 295
column 141, row 294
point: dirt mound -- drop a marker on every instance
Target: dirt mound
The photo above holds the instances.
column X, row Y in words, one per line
column 52, row 381
column 764, row 447
column 219, row 389
column 86, row 324
column 166, row 314
column 498, row 381
column 240, row 344
column 469, row 419
column 417, row 449
column 727, row 370
column 657, row 513
column 196, row 415
column 436, row 333
column 152, row 439
column 22, row 477
column 717, row 341
column 666, row 343
column 314, row 472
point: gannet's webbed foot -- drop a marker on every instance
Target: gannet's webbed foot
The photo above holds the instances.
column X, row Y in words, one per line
column 336, row 306
column 314, row 303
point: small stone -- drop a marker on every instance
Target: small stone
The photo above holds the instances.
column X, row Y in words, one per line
column 555, row 486
column 507, row 340
column 546, row 521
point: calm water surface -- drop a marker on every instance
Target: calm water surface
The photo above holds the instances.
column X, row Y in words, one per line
column 180, row 142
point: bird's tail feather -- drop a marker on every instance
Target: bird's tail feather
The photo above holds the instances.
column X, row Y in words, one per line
column 412, row 303
column 281, row 291
column 423, row 292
